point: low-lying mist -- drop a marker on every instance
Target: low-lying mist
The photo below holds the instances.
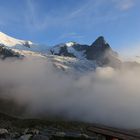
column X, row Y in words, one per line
column 106, row 96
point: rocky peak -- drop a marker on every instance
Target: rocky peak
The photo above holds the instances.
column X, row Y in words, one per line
column 98, row 49
column 100, row 43
column 102, row 53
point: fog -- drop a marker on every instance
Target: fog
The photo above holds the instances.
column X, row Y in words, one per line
column 106, row 96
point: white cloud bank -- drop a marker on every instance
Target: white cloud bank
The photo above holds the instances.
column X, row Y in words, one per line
column 106, row 96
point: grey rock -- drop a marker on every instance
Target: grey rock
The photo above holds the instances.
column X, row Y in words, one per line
column 3, row 131
column 40, row 137
column 6, row 52
column 25, row 137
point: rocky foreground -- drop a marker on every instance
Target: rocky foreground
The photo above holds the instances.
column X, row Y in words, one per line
column 12, row 128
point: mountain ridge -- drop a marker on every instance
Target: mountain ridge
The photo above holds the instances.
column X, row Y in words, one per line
column 99, row 52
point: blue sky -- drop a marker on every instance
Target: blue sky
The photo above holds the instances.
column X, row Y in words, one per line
column 55, row 21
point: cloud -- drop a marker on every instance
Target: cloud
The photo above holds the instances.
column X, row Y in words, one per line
column 105, row 96
column 33, row 17
column 124, row 5
column 85, row 12
column 99, row 11
column 130, row 50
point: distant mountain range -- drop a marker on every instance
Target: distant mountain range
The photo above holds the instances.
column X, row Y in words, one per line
column 66, row 56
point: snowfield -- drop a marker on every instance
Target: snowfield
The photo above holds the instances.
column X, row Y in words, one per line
column 30, row 49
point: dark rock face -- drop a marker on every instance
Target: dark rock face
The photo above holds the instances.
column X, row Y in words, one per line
column 100, row 43
column 99, row 51
column 102, row 53
column 64, row 52
column 5, row 52
column 79, row 47
column 26, row 44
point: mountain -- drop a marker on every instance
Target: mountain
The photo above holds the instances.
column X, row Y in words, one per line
column 66, row 56
column 12, row 42
column 70, row 49
column 99, row 51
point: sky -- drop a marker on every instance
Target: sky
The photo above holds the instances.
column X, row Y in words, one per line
column 55, row 21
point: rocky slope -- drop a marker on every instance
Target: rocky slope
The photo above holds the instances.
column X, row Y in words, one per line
column 5, row 52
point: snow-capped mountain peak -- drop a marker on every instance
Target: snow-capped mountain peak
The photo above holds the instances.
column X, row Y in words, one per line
column 70, row 44
column 69, row 49
column 12, row 42
column 70, row 54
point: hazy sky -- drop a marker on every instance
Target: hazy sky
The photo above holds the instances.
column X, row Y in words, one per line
column 54, row 21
